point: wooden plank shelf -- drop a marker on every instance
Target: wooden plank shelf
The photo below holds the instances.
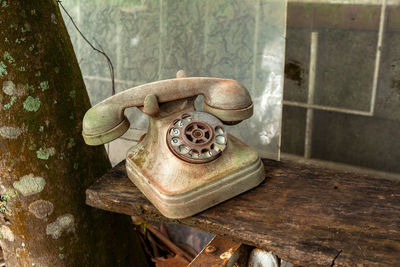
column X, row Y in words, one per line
column 306, row 215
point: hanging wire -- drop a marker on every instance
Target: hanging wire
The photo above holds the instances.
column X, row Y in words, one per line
column 99, row 50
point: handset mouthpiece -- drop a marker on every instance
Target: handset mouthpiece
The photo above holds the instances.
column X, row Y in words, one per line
column 103, row 123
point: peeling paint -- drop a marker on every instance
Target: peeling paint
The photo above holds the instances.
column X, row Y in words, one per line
column 41, row 208
column 9, row 88
column 7, row 233
column 32, row 104
column 45, row 153
column 29, row 185
column 64, row 223
column 10, row 132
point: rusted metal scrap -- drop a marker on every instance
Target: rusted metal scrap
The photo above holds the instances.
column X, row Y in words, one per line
column 221, row 252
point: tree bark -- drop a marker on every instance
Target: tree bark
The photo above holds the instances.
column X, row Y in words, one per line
column 45, row 166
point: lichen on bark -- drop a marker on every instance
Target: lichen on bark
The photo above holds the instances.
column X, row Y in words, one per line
column 43, row 159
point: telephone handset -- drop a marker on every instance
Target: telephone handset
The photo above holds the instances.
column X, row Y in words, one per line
column 186, row 162
column 228, row 100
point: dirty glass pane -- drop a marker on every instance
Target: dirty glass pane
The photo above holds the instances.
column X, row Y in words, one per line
column 151, row 40
column 353, row 112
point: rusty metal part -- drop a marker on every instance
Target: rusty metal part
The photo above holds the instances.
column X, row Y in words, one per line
column 225, row 253
column 210, row 249
column 227, row 99
column 165, row 240
column 197, row 137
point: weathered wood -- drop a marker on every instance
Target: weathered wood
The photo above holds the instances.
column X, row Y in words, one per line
column 305, row 215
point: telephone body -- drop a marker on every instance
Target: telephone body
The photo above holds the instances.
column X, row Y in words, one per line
column 186, row 162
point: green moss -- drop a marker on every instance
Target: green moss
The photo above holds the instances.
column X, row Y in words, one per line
column 3, row 69
column 45, row 153
column 72, row 94
column 30, row 89
column 8, row 57
column 32, row 104
column 44, row 85
column 9, row 105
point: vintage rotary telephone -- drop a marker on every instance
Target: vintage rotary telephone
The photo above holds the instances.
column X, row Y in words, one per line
column 186, row 162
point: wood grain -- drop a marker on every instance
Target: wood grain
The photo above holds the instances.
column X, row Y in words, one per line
column 305, row 215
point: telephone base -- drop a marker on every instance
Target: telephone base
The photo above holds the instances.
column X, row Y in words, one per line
column 204, row 196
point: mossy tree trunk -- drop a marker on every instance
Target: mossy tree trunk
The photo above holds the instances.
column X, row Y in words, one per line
column 45, row 166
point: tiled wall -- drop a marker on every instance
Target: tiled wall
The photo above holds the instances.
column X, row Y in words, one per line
column 152, row 40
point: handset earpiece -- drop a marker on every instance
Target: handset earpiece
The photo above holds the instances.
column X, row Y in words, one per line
column 229, row 116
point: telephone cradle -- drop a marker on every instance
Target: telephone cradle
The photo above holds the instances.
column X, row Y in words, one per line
column 186, row 162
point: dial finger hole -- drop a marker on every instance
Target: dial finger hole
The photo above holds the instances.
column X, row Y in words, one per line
column 179, row 123
column 194, row 153
column 183, row 149
column 175, row 141
column 219, row 130
column 185, row 115
column 187, row 120
column 221, row 140
column 174, row 132
column 205, row 153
